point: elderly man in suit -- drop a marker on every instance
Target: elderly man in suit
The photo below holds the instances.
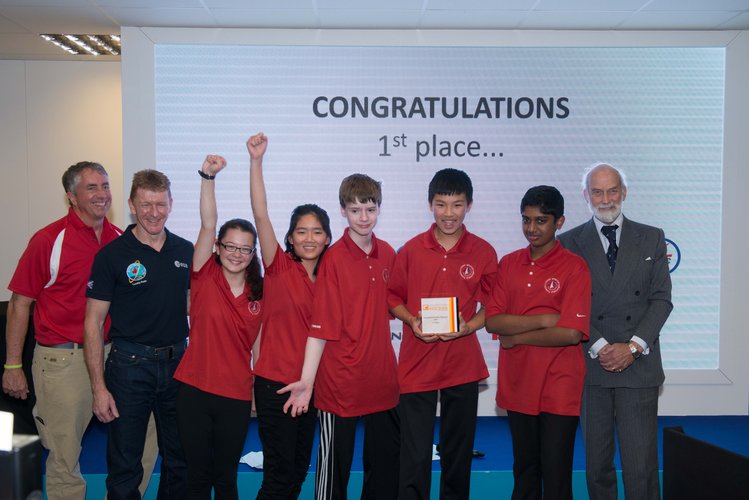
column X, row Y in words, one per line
column 631, row 302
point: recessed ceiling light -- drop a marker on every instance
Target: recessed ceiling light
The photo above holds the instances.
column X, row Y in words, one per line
column 95, row 45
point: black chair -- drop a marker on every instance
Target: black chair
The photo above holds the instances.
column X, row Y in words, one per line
column 695, row 469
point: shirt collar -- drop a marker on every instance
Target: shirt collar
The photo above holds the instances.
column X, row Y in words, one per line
column 430, row 240
column 78, row 224
column 74, row 220
column 619, row 221
column 167, row 241
column 356, row 252
column 548, row 258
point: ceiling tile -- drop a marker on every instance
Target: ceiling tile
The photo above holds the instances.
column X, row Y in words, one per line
column 266, row 18
column 8, row 26
column 542, row 20
column 362, row 5
column 60, row 20
column 693, row 5
column 155, row 4
column 674, row 20
column 480, row 5
column 164, row 17
column 260, row 4
column 739, row 22
column 46, row 3
column 472, row 19
column 368, row 19
column 590, row 5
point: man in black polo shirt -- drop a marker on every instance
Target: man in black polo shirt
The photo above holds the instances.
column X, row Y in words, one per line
column 141, row 279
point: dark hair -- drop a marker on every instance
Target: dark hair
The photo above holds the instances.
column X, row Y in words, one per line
column 298, row 213
column 548, row 199
column 72, row 175
column 361, row 188
column 451, row 181
column 253, row 275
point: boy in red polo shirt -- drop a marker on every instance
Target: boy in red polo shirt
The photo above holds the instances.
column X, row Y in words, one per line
column 444, row 261
column 540, row 308
column 349, row 356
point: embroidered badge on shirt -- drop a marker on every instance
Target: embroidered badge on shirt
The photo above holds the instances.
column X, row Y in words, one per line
column 254, row 307
column 136, row 272
column 552, row 285
column 467, row 271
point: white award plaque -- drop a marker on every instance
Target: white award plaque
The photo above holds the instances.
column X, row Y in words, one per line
column 439, row 315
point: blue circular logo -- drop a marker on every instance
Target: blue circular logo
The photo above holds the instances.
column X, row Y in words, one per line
column 673, row 254
column 136, row 271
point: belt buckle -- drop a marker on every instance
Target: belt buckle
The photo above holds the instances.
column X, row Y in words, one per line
column 169, row 350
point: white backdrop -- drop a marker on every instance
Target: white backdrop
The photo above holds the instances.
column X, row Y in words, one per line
column 656, row 111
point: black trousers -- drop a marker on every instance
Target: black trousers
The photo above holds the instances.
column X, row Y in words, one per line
column 542, row 446
column 287, row 442
column 212, row 430
column 380, row 458
column 418, row 413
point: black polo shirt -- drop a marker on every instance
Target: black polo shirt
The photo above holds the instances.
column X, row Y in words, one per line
column 147, row 289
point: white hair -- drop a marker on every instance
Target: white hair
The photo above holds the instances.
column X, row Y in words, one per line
column 590, row 169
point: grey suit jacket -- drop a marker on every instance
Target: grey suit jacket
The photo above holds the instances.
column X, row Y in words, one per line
column 635, row 300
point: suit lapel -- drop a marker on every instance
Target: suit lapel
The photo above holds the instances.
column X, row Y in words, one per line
column 629, row 255
column 590, row 245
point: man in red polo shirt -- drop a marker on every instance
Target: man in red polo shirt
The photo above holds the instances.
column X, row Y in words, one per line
column 349, row 339
column 444, row 261
column 540, row 308
column 53, row 271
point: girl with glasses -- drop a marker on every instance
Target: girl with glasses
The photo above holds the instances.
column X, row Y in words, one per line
column 214, row 402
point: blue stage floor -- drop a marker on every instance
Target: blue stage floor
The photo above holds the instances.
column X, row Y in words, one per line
column 492, row 474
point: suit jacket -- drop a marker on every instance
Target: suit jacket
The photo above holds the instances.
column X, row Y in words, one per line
column 635, row 300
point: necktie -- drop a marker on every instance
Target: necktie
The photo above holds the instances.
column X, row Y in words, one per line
column 610, row 233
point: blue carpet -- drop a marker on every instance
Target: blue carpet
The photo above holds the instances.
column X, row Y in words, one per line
column 492, row 474
column 492, row 438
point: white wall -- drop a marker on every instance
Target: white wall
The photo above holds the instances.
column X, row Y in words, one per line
column 53, row 114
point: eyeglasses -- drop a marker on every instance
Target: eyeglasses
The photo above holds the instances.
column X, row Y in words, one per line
column 233, row 248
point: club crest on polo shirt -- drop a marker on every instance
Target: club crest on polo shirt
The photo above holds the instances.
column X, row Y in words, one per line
column 254, row 307
column 386, row 274
column 552, row 285
column 467, row 271
column 136, row 272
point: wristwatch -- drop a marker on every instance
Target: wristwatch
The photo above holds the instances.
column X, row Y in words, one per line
column 633, row 349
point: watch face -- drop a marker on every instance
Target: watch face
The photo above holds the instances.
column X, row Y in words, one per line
column 634, row 351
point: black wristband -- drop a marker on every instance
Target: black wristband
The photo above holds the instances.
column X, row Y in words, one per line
column 206, row 176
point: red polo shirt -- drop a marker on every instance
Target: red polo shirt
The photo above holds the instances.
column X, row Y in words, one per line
column 222, row 330
column 357, row 374
column 54, row 270
column 287, row 298
column 424, row 269
column 542, row 379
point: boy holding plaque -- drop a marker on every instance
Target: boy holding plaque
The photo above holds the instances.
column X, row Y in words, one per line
column 442, row 269
column 349, row 339
column 540, row 308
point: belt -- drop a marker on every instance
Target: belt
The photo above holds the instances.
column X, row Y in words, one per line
column 66, row 345
column 164, row 352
